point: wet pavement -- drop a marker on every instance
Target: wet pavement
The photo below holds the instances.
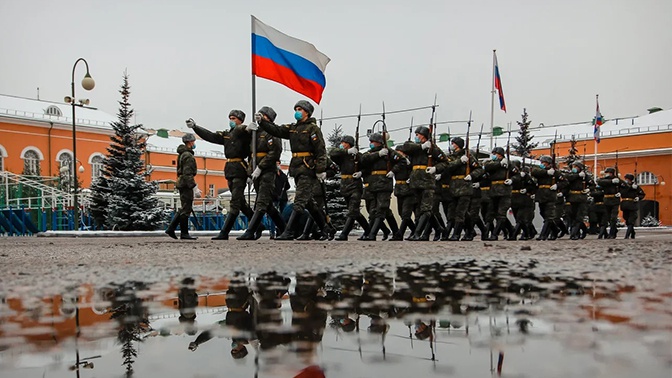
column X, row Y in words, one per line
column 155, row 307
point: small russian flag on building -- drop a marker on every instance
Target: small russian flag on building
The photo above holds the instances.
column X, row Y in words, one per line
column 291, row 62
column 498, row 85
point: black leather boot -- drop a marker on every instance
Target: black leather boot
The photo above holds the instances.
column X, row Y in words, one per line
column 545, row 229
column 446, row 231
column 288, row 234
column 170, row 231
column 386, row 231
column 468, row 230
column 481, row 226
column 420, row 227
column 392, row 222
column 525, row 235
column 365, row 226
column 307, row 230
column 252, row 226
column 553, row 230
column 399, row 235
column 514, row 235
column 457, row 232
column 562, row 227
column 603, row 233
column 495, row 233
column 275, row 216
column 575, row 232
column 375, row 226
column 184, row 229
column 228, row 225
column 583, row 230
column 347, row 227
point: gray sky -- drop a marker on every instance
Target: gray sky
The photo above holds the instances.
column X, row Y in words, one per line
column 192, row 58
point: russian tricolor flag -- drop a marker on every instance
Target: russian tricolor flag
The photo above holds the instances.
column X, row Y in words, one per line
column 291, row 62
column 498, row 85
column 597, row 122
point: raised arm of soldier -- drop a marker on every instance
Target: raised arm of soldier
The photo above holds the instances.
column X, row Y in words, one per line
column 236, row 118
column 268, row 126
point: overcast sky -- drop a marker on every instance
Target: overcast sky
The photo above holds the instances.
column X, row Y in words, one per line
column 192, row 58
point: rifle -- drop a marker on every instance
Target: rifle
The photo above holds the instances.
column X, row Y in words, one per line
column 508, row 155
column 324, row 185
column 555, row 138
column 616, row 165
column 198, row 224
column 359, row 118
column 385, row 136
column 635, row 180
column 410, row 130
column 478, row 145
column 466, row 145
column 430, row 157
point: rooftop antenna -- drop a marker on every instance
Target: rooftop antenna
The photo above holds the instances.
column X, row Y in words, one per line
column 38, row 93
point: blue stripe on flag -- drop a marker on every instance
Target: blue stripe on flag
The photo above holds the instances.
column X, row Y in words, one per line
column 303, row 68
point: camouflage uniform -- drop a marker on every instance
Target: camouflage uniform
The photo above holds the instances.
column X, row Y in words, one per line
column 631, row 194
column 547, row 198
column 461, row 189
column 406, row 200
column 577, row 197
column 186, row 170
column 500, row 191
column 522, row 204
column 612, row 192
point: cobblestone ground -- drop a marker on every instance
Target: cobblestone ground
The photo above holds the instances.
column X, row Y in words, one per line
column 45, row 265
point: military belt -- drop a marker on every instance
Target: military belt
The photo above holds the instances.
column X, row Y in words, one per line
column 576, row 192
column 445, row 186
column 497, row 182
column 609, row 195
column 301, row 154
column 343, row 177
column 378, row 173
column 419, row 300
column 235, row 160
column 416, row 167
column 400, row 182
column 515, row 191
column 458, row 177
column 627, row 199
column 366, row 184
column 599, row 203
column 544, row 186
column 261, row 154
column 235, row 309
column 485, row 188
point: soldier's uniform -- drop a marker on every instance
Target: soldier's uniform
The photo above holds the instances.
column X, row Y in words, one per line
column 546, row 196
column 309, row 159
column 444, row 200
column 351, row 186
column 378, row 163
column 186, row 171
column 236, row 142
column 310, row 230
column 596, row 210
column 522, row 204
column 461, row 182
column 369, row 203
column 268, row 151
column 406, row 200
column 561, row 206
column 577, row 197
column 423, row 182
column 484, row 186
column 631, row 194
column 474, row 212
column 612, row 199
column 500, row 190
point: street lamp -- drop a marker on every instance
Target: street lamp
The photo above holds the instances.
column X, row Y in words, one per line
column 88, row 84
column 655, row 202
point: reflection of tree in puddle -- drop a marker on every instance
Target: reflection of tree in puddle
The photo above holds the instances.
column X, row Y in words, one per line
column 129, row 312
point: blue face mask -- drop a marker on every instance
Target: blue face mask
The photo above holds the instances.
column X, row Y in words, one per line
column 341, row 147
column 542, row 166
column 372, row 146
column 298, row 115
column 232, row 124
column 574, row 170
column 193, row 146
column 493, row 157
column 417, row 139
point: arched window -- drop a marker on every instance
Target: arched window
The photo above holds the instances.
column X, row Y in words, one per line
column 65, row 166
column 647, row 178
column 96, row 167
column 53, row 110
column 31, row 163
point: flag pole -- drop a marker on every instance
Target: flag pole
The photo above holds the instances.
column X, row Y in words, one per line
column 595, row 141
column 254, row 107
column 492, row 102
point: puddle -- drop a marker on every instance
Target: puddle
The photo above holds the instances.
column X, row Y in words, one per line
column 465, row 318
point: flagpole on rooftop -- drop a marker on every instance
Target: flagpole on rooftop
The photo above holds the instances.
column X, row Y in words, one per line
column 597, row 104
column 492, row 102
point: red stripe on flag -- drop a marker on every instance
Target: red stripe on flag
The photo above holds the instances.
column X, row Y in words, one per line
column 267, row 69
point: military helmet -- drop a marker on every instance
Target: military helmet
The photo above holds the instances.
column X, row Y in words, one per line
column 305, row 105
column 422, row 130
column 268, row 112
column 238, row 114
column 188, row 137
column 610, row 170
column 577, row 164
column 349, row 140
column 630, row 176
column 377, row 137
column 516, row 164
column 546, row 159
column 458, row 141
column 498, row 150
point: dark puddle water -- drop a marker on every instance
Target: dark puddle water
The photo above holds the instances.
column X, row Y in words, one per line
column 460, row 319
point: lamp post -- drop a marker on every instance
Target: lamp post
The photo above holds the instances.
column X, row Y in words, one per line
column 88, row 84
column 655, row 202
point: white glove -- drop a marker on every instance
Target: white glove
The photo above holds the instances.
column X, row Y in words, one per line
column 389, row 174
column 615, row 180
column 258, row 117
column 408, row 162
column 586, row 191
column 357, row 175
column 504, row 163
column 636, row 199
column 438, row 177
column 523, row 174
column 464, row 159
column 322, row 176
column 508, row 182
column 523, row 191
column 618, row 195
column 191, row 123
column 197, row 192
column 554, row 187
column 590, row 199
column 476, row 185
column 256, row 173
column 582, row 174
column 431, row 170
column 253, row 126
column 467, row 178
column 559, row 194
column 551, row 172
column 426, row 145
column 383, row 152
column 249, row 181
column 533, row 196
column 352, row 151
column 634, row 186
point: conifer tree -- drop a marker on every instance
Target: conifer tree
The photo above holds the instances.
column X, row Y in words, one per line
column 336, row 206
column 573, row 152
column 122, row 196
column 524, row 145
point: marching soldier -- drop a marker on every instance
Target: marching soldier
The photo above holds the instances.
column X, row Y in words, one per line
column 612, row 199
column 484, row 186
column 406, row 200
column 308, row 165
column 500, row 190
column 546, row 196
column 443, row 199
column 310, row 230
column 186, row 170
column 522, row 203
column 631, row 194
column 577, row 198
column 422, row 180
column 268, row 151
column 347, row 158
column 236, row 142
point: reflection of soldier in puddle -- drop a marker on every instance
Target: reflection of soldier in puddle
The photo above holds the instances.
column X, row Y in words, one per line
column 238, row 319
column 308, row 315
column 346, row 303
column 187, row 301
column 271, row 288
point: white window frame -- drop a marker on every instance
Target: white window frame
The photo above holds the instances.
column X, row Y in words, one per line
column 646, row 178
